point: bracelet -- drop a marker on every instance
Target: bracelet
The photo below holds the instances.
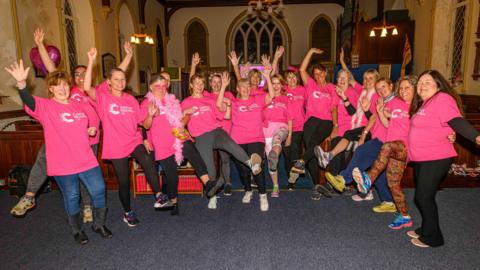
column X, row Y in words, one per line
column 364, row 132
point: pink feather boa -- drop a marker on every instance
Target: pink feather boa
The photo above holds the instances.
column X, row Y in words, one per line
column 173, row 112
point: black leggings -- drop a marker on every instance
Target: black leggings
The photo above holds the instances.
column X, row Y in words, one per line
column 292, row 152
column 169, row 165
column 315, row 131
column 245, row 172
column 123, row 175
column 428, row 177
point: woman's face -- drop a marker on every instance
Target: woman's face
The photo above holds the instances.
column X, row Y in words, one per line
column 384, row 89
column 197, row 86
column 117, row 81
column 159, row 87
column 369, row 80
column 243, row 90
column 79, row 76
column 342, row 80
column 406, row 91
column 216, row 84
column 254, row 80
column 426, row 87
column 60, row 92
column 167, row 77
column 277, row 86
column 292, row 80
column 319, row 75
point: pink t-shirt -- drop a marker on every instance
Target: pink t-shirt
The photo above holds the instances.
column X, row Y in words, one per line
column 399, row 122
column 226, row 123
column 320, row 101
column 277, row 111
column 344, row 119
column 79, row 95
column 160, row 133
column 120, row 119
column 65, row 128
column 429, row 130
column 247, row 119
column 378, row 130
column 297, row 106
column 206, row 116
column 257, row 91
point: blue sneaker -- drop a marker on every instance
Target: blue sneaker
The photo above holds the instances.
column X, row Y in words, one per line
column 131, row 219
column 363, row 180
column 400, row 222
column 161, row 201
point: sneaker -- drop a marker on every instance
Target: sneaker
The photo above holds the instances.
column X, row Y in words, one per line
column 291, row 187
column 322, row 156
column 418, row 243
column 360, row 197
column 401, row 222
column 131, row 219
column 212, row 203
column 87, row 214
column 275, row 192
column 227, row 190
column 212, row 187
column 247, row 197
column 255, row 163
column 263, row 202
column 348, row 191
column 25, row 204
column 364, row 183
column 298, row 167
column 316, row 195
column 160, row 201
column 292, row 179
column 385, row 207
column 413, row 234
column 272, row 161
column 327, row 190
column 337, row 181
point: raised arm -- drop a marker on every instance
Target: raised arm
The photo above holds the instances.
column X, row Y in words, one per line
column 235, row 60
column 381, row 112
column 87, row 82
column 344, row 66
column 220, row 102
column 38, row 36
column 306, row 61
column 276, row 59
column 152, row 111
column 271, row 93
column 195, row 62
column 128, row 56
column 20, row 74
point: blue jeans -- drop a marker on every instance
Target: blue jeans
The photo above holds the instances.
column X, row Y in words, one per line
column 363, row 158
column 70, row 187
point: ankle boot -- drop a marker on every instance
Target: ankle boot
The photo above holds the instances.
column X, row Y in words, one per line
column 174, row 211
column 99, row 216
column 75, row 223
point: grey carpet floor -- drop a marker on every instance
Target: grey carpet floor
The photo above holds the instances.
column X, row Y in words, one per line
column 297, row 233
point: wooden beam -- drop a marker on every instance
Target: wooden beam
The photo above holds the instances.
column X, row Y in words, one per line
column 225, row 3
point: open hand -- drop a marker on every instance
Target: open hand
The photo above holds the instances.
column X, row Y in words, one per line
column 279, row 52
column 152, row 109
column 127, row 46
column 19, row 73
column 233, row 58
column 38, row 36
column 92, row 54
column 196, row 59
column 225, row 79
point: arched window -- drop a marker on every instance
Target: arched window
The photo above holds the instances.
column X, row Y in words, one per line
column 321, row 36
column 254, row 36
column 196, row 41
column 160, row 58
column 70, row 25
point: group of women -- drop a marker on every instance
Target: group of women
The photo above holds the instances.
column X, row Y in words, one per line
column 384, row 128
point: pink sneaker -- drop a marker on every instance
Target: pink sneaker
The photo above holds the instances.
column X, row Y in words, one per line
column 359, row 198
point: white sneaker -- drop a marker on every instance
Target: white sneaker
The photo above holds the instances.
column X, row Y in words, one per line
column 255, row 163
column 212, row 203
column 263, row 202
column 247, row 197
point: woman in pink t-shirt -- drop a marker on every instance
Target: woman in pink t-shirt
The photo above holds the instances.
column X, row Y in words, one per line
column 393, row 154
column 434, row 115
column 67, row 126
column 204, row 125
column 122, row 139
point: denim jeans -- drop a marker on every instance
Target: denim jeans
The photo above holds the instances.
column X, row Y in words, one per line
column 70, row 187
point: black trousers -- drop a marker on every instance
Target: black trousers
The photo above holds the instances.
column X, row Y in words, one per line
column 292, row 152
column 245, row 172
column 428, row 177
column 315, row 131
column 123, row 174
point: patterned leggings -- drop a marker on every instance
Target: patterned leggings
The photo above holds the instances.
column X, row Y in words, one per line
column 393, row 157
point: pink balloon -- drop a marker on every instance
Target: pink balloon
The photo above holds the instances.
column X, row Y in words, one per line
column 53, row 53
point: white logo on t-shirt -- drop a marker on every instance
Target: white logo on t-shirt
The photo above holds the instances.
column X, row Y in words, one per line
column 318, row 94
column 76, row 97
column 66, row 117
column 114, row 109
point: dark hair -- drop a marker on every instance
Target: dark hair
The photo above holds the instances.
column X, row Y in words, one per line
column 443, row 86
column 384, row 79
column 412, row 79
column 156, row 77
column 113, row 70
column 319, row 67
column 77, row 67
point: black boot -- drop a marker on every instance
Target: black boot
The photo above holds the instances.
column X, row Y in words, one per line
column 174, row 211
column 99, row 216
column 79, row 235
